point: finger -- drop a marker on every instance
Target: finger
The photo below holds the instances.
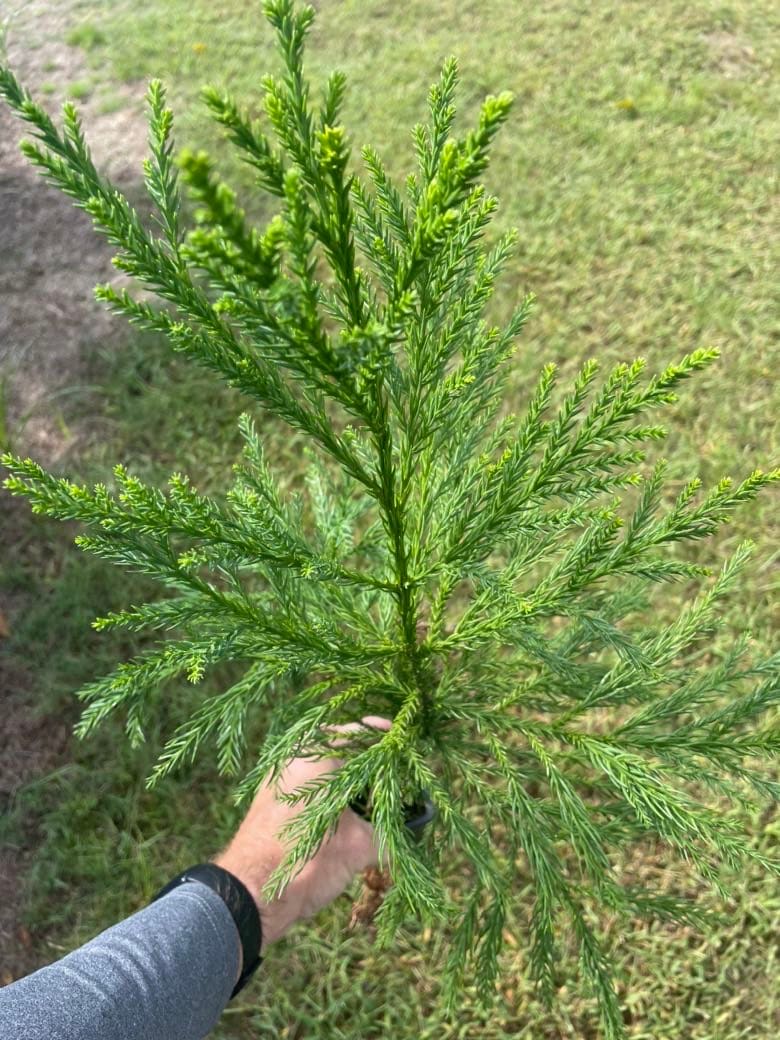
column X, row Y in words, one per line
column 316, row 761
column 376, row 722
column 367, row 722
column 364, row 850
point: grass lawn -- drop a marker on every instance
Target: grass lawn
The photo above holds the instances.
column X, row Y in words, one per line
column 640, row 168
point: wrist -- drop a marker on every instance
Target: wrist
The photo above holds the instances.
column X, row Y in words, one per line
column 253, row 864
column 240, row 904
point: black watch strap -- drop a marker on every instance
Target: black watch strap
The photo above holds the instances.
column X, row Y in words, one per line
column 239, row 902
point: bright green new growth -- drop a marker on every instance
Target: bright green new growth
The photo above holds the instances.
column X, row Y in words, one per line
column 470, row 574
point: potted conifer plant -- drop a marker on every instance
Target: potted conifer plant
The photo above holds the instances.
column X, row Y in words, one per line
column 484, row 578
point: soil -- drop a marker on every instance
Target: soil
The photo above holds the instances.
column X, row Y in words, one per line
column 730, row 55
column 52, row 258
column 49, row 263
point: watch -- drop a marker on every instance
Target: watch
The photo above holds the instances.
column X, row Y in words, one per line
column 243, row 909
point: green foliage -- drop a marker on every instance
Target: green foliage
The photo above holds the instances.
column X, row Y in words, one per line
column 483, row 579
column 85, row 35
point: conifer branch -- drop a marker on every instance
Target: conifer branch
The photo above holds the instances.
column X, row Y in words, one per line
column 486, row 580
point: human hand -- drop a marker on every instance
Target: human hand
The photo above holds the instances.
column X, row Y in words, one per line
column 257, row 849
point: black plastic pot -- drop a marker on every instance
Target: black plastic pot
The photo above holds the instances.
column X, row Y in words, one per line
column 417, row 814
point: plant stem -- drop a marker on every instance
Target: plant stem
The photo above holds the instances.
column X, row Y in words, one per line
column 392, row 506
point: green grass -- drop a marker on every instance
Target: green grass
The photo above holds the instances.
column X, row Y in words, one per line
column 639, row 166
column 110, row 102
column 80, row 89
column 5, row 439
column 86, row 35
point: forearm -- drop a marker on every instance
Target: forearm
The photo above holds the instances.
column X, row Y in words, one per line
column 167, row 971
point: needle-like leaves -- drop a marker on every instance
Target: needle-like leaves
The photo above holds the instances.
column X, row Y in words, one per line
column 475, row 576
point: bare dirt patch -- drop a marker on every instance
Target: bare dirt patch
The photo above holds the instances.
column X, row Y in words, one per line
column 50, row 261
column 732, row 56
column 52, row 258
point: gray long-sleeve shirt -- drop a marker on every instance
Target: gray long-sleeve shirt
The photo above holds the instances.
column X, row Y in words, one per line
column 166, row 973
